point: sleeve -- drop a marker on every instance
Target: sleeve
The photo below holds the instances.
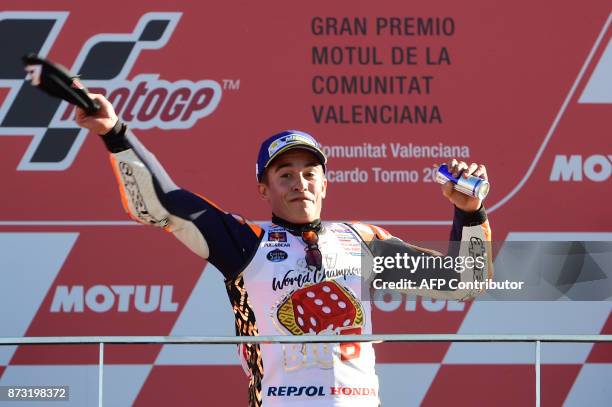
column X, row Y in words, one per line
column 470, row 237
column 150, row 197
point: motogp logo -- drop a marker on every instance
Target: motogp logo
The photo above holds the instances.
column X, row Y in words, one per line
column 104, row 63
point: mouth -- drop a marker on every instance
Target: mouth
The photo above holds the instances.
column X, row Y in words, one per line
column 301, row 199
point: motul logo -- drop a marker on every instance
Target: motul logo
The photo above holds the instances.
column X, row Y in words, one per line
column 393, row 301
column 104, row 63
column 596, row 168
column 118, row 298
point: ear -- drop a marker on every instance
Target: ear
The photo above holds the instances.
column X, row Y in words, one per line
column 263, row 191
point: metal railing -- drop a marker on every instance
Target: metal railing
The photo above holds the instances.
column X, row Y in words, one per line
column 228, row 340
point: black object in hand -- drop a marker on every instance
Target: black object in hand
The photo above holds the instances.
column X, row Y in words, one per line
column 55, row 80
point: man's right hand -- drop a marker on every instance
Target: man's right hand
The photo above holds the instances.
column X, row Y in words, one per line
column 102, row 121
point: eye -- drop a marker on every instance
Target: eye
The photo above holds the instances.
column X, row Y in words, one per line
column 310, row 173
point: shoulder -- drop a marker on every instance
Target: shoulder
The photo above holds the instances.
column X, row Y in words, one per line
column 257, row 228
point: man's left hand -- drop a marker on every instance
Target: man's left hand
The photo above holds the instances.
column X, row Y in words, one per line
column 464, row 202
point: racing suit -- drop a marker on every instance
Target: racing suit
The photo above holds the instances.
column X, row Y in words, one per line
column 270, row 287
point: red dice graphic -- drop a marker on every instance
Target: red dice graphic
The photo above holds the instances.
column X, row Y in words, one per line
column 324, row 306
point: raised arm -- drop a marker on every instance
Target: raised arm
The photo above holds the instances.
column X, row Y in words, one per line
column 469, row 238
column 149, row 196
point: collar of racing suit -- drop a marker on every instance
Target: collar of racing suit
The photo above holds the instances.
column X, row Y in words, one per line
column 296, row 229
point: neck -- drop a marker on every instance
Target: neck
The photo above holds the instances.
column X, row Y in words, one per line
column 297, row 228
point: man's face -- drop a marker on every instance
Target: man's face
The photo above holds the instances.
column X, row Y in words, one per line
column 295, row 187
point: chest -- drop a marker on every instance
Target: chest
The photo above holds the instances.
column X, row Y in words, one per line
column 299, row 298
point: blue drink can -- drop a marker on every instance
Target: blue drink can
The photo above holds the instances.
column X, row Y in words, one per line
column 472, row 186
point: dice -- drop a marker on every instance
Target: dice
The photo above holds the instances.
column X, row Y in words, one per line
column 324, row 306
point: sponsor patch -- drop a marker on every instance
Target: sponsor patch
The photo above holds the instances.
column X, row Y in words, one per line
column 277, row 255
column 276, row 244
column 277, row 236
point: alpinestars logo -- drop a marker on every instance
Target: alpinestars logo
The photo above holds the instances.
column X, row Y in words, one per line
column 103, row 63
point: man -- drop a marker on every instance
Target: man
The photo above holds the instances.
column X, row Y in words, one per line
column 294, row 275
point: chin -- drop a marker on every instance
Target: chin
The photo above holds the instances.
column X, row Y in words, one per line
column 299, row 212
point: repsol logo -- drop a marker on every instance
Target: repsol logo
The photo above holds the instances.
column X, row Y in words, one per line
column 121, row 298
column 597, row 168
column 317, row 391
column 288, row 391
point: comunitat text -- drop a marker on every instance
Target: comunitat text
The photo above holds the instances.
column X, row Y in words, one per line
column 411, row 263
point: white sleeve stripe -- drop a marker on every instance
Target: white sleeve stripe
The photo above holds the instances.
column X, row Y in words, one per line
column 188, row 234
column 154, row 166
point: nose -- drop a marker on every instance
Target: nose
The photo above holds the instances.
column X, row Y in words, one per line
column 301, row 183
